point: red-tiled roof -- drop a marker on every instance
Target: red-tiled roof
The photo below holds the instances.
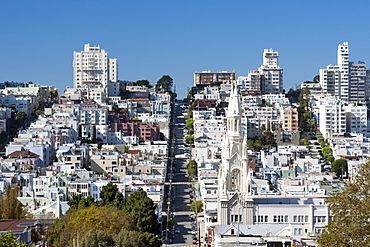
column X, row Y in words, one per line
column 23, row 154
column 133, row 151
column 15, row 225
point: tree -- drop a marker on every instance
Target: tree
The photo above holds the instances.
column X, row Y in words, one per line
column 189, row 124
column 39, row 112
column 197, row 206
column 266, row 138
column 9, row 240
column 110, row 195
column 192, row 168
column 97, row 238
column 53, row 94
column 10, row 207
column 142, row 83
column 316, row 79
column 115, row 109
column 140, row 212
column 74, row 201
column 330, row 158
column 3, row 136
column 189, row 139
column 127, row 238
column 164, row 84
column 136, row 239
column 339, row 166
column 327, row 151
column 76, row 224
column 350, row 225
column 21, row 117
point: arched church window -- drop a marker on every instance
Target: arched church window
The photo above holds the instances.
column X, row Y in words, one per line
column 235, row 179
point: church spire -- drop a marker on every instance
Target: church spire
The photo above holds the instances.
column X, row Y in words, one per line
column 234, row 103
column 234, row 112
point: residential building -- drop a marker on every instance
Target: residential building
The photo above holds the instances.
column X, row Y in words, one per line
column 271, row 72
column 92, row 68
column 332, row 119
column 208, row 77
column 289, row 119
column 346, row 80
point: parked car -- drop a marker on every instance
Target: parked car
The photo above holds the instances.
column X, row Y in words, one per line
column 177, row 230
column 194, row 242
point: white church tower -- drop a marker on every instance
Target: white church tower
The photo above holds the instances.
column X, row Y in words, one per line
column 235, row 204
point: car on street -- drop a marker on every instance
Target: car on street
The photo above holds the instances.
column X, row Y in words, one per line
column 194, row 242
column 177, row 230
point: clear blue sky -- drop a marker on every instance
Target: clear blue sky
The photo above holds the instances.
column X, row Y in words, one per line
column 152, row 38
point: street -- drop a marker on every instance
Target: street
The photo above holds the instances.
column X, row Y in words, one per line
column 181, row 187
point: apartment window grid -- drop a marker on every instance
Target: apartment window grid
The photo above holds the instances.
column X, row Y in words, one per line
column 300, row 218
column 280, row 218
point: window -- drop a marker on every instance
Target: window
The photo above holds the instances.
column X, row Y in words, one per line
column 298, row 231
column 280, row 218
column 300, row 218
column 319, row 219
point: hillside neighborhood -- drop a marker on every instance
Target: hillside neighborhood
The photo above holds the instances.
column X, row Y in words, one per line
column 238, row 162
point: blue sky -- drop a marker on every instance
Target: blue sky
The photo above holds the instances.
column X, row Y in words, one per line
column 178, row 38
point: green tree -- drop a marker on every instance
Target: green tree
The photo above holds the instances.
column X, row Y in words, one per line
column 10, row 207
column 136, row 239
column 266, row 138
column 164, row 84
column 39, row 112
column 140, row 212
column 110, row 195
column 327, row 151
column 123, row 92
column 350, row 225
column 339, row 166
column 192, row 168
column 74, row 201
column 9, row 240
column 53, row 94
column 3, row 136
column 115, row 109
column 79, row 202
column 196, row 206
column 142, row 83
column 21, row 117
column 75, row 224
column 330, row 158
column 189, row 139
column 97, row 238
column 189, row 124
column 127, row 238
column 316, row 79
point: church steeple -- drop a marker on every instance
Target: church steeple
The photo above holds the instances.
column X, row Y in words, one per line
column 234, row 112
column 234, row 181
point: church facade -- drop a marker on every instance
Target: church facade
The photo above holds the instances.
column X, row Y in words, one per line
column 235, row 203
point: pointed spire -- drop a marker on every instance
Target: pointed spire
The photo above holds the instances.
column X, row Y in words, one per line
column 234, row 108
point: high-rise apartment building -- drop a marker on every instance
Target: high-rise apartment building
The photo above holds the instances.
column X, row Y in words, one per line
column 346, row 80
column 92, row 68
column 252, row 83
column 272, row 74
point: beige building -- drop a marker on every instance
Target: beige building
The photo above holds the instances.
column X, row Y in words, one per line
column 289, row 119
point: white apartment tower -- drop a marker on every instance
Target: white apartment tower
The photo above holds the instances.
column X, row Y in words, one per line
column 92, row 68
column 342, row 89
column 332, row 118
column 271, row 72
column 346, row 80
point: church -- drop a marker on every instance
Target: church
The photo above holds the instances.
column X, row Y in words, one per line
column 244, row 217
